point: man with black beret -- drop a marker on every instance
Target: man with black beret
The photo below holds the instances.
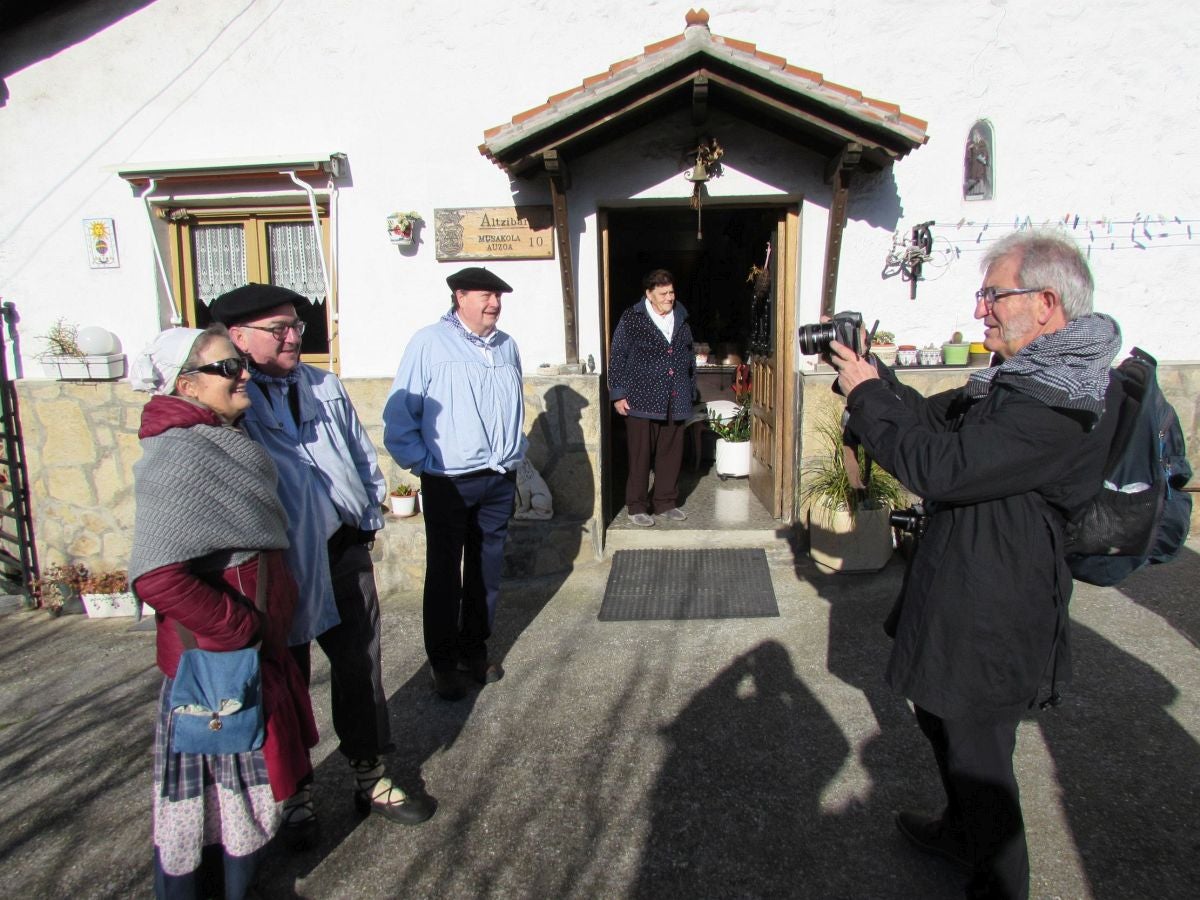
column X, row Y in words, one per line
column 455, row 417
column 332, row 488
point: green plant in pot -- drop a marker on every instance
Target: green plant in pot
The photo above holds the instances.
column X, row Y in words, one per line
column 849, row 500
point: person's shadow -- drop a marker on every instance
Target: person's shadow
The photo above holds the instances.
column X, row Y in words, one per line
column 423, row 724
column 735, row 810
column 1128, row 769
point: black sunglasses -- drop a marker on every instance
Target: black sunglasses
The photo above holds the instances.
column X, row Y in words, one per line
column 226, row 368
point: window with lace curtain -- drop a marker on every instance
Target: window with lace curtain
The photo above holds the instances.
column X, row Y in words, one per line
column 216, row 250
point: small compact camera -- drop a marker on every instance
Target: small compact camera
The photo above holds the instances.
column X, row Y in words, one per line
column 844, row 327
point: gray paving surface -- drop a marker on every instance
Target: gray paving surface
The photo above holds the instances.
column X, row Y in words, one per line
column 732, row 758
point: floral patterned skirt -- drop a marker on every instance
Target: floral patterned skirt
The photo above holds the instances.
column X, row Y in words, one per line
column 201, row 801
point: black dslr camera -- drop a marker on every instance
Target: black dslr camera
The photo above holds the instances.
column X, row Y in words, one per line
column 911, row 521
column 844, row 327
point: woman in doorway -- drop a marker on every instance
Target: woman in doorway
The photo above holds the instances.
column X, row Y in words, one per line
column 652, row 382
column 208, row 529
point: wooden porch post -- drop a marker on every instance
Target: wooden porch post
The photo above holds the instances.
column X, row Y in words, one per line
column 556, row 169
column 837, row 173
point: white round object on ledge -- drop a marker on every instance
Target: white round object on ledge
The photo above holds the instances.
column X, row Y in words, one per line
column 96, row 341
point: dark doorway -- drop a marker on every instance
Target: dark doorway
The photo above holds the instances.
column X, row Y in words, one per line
column 714, row 283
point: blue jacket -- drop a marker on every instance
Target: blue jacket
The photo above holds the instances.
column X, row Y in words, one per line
column 647, row 371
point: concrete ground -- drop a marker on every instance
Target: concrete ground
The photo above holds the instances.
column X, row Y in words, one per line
column 730, row 758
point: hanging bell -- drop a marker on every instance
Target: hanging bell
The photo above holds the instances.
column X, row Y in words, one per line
column 698, row 174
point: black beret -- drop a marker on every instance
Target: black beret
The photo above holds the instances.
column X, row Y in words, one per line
column 247, row 301
column 476, row 278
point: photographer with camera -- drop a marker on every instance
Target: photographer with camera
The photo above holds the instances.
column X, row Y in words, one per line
column 982, row 616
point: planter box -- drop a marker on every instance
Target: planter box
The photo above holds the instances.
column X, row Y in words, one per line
column 107, row 606
column 108, row 367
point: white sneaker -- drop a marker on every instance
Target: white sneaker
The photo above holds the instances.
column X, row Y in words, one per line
column 641, row 519
column 674, row 515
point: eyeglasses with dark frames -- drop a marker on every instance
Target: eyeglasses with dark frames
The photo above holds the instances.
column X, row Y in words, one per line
column 989, row 295
column 227, row 368
column 279, row 332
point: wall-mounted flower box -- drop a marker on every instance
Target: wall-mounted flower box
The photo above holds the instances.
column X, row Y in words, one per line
column 108, row 606
column 103, row 367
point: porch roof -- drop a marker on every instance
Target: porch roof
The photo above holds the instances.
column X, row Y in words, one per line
column 702, row 70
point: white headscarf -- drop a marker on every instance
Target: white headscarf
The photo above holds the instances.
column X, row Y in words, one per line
column 157, row 366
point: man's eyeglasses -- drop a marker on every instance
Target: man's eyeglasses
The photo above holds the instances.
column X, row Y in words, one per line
column 279, row 332
column 989, row 295
column 226, row 368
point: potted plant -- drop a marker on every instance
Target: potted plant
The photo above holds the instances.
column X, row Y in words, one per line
column 883, row 347
column 107, row 595
column 850, row 502
column 58, row 588
column 80, row 354
column 400, row 226
column 730, row 422
column 402, row 500
column 955, row 351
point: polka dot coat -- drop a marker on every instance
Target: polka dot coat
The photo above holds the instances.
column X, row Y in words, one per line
column 651, row 374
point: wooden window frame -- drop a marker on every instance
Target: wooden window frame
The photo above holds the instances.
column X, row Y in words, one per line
column 255, row 221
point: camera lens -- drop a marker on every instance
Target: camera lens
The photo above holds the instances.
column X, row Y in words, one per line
column 815, row 338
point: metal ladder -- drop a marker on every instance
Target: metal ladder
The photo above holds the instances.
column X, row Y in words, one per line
column 18, row 555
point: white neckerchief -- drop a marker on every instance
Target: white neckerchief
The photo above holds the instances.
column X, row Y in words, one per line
column 665, row 324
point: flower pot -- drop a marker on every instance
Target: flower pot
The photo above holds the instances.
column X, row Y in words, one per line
column 402, row 238
column 906, row 356
column 955, row 354
column 929, row 356
column 403, row 506
column 978, row 355
column 107, row 606
column 838, row 542
column 733, row 458
column 885, row 353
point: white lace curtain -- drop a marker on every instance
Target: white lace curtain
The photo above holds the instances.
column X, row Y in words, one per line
column 220, row 260
column 295, row 259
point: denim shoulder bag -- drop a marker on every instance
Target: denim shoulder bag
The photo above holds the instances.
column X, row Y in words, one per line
column 216, row 699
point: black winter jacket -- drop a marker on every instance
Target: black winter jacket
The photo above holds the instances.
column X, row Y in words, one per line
column 982, row 618
column 651, row 374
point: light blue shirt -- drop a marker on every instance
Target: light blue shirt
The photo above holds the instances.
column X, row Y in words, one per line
column 454, row 407
column 328, row 476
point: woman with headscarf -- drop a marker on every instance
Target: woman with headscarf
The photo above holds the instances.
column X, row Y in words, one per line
column 207, row 510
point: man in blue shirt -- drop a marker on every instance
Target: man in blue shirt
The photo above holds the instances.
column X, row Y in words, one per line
column 332, row 488
column 455, row 417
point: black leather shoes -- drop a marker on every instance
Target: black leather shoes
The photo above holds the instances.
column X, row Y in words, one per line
column 482, row 670
column 935, row 836
column 448, row 685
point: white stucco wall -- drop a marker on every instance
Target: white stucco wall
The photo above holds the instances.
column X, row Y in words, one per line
column 1093, row 105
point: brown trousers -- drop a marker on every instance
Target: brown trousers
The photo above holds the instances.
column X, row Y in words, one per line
column 660, row 442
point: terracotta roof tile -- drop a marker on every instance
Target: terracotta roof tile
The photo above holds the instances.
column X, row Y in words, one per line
column 744, row 46
column 842, row 89
column 803, row 73
column 771, row 58
column 662, row 45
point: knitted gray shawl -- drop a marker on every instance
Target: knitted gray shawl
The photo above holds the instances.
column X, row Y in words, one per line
column 204, row 493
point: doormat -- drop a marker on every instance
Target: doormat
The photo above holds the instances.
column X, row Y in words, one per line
column 688, row 584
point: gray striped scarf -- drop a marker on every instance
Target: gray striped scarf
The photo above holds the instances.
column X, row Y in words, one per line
column 1066, row 369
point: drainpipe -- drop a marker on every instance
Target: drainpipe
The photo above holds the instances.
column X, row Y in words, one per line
column 312, row 208
column 176, row 318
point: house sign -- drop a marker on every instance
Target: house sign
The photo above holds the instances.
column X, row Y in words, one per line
column 494, row 232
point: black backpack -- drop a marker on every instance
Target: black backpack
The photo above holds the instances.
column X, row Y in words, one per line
column 1118, row 532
